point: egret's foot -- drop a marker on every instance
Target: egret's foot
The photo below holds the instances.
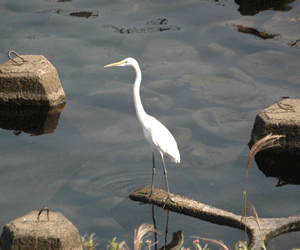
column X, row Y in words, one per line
column 168, row 199
column 148, row 194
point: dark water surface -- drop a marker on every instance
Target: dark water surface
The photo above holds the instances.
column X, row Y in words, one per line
column 203, row 77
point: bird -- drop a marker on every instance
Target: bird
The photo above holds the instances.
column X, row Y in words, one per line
column 158, row 136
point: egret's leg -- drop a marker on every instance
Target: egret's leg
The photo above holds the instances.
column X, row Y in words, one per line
column 166, row 178
column 153, row 173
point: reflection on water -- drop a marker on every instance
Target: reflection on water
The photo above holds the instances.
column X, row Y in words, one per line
column 159, row 21
column 294, row 43
column 37, row 36
column 75, row 13
column 86, row 14
column 253, row 7
column 59, row 1
column 255, row 32
column 283, row 166
column 31, row 120
column 177, row 239
column 161, row 24
column 176, row 242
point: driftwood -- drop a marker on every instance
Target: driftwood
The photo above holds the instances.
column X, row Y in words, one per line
column 258, row 232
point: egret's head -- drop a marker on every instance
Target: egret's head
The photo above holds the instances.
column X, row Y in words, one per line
column 126, row 62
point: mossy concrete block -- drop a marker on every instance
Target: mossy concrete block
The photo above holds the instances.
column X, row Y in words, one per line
column 27, row 233
column 282, row 118
column 33, row 82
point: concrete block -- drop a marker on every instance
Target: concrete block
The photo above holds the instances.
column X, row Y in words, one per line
column 282, row 118
column 31, row 81
column 27, row 233
column 283, row 161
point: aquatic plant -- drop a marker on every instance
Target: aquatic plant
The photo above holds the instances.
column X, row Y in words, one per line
column 88, row 243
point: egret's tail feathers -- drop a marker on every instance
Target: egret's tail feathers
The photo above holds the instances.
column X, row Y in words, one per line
column 175, row 158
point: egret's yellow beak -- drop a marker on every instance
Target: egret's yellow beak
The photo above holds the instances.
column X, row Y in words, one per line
column 114, row 64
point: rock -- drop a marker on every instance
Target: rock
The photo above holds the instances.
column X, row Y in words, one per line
column 223, row 51
column 31, row 82
column 240, row 76
column 27, row 233
column 273, row 65
column 282, row 161
column 281, row 118
column 169, row 51
column 286, row 24
column 124, row 93
column 175, row 59
column 222, row 122
column 219, row 90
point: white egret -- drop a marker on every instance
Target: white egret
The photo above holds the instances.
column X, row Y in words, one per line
column 158, row 136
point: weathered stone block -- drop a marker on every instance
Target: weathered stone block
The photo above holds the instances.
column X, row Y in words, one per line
column 33, row 82
column 282, row 118
column 26, row 233
column 283, row 161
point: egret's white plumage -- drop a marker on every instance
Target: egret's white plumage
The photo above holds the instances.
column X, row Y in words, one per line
column 158, row 136
column 161, row 139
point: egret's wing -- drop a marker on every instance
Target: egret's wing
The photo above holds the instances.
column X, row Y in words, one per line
column 160, row 137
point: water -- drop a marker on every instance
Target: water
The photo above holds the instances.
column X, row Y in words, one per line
column 202, row 78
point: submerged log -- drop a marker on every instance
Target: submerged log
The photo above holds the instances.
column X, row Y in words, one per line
column 264, row 230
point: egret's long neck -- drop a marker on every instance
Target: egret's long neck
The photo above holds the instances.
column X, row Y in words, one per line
column 141, row 114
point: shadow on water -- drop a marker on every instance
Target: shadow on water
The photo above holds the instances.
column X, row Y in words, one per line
column 251, row 8
column 283, row 166
column 31, row 120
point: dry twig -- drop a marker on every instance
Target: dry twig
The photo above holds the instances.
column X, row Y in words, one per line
column 264, row 143
column 213, row 241
column 255, row 217
column 144, row 231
